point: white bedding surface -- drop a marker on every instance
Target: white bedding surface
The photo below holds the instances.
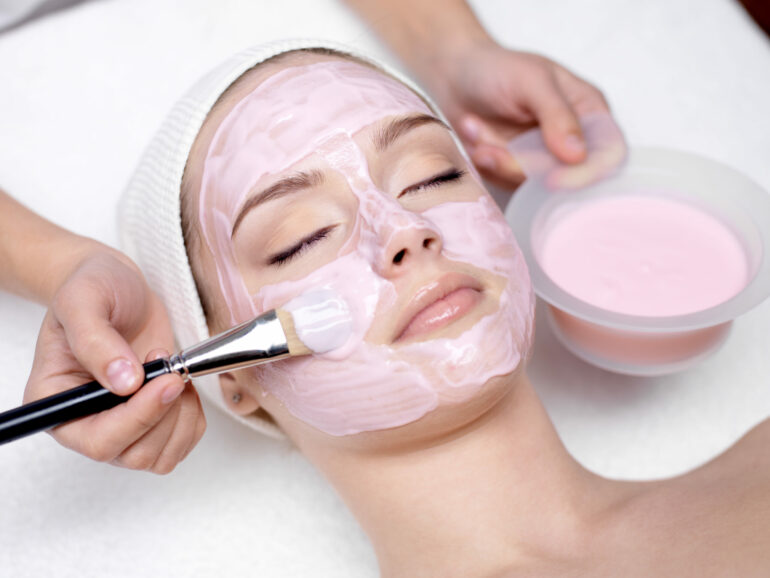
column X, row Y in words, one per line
column 80, row 94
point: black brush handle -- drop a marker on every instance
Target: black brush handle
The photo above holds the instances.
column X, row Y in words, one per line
column 68, row 405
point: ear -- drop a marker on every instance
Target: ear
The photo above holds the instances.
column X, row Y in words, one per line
column 237, row 397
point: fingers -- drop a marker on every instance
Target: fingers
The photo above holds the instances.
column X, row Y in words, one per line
column 584, row 97
column 167, row 444
column 513, row 91
column 200, row 429
column 144, row 452
column 154, row 430
column 497, row 166
column 488, row 152
column 474, row 131
column 601, row 162
column 83, row 310
column 106, row 435
column 101, row 315
column 558, row 121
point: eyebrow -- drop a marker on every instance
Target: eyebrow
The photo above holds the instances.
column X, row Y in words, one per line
column 397, row 128
column 382, row 139
column 286, row 186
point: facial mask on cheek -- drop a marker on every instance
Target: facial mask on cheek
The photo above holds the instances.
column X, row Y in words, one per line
column 285, row 119
column 366, row 387
column 361, row 386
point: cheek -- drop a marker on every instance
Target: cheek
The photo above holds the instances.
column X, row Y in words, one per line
column 367, row 387
column 356, row 387
column 477, row 233
column 349, row 277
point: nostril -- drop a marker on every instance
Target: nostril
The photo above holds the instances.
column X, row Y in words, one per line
column 399, row 256
column 427, row 243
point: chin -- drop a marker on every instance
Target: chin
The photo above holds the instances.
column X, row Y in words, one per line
column 453, row 419
column 380, row 397
column 449, row 420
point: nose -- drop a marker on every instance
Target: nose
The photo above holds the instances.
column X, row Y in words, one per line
column 409, row 245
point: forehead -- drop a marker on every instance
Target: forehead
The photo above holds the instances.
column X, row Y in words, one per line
column 287, row 113
column 302, row 80
column 298, row 108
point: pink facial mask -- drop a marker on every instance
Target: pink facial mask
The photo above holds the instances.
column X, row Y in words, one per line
column 360, row 386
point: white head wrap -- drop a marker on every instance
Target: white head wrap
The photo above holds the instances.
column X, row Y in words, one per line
column 149, row 213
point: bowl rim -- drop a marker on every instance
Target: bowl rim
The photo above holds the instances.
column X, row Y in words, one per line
column 523, row 211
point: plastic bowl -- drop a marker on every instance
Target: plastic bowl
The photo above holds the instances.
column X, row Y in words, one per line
column 642, row 345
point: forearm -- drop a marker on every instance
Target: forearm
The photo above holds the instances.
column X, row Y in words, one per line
column 36, row 255
column 425, row 34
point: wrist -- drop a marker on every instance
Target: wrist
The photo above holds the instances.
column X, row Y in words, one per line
column 36, row 255
column 427, row 36
column 75, row 250
column 448, row 61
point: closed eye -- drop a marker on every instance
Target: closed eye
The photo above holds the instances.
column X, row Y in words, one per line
column 435, row 181
column 300, row 247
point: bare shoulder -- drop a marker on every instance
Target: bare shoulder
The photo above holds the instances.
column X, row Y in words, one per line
column 748, row 459
column 711, row 522
column 717, row 516
column 737, row 482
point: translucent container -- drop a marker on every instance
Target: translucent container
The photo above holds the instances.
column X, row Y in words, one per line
column 645, row 345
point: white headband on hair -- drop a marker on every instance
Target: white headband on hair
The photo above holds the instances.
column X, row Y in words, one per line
column 150, row 215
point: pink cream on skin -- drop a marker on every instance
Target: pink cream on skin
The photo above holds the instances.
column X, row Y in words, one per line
column 361, row 386
column 644, row 255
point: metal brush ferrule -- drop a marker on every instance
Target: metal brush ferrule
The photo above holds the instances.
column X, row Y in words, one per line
column 250, row 343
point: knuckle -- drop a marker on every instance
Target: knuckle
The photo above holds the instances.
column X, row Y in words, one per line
column 163, row 467
column 144, row 422
column 534, row 61
column 87, row 341
column 61, row 301
column 58, row 433
column 540, row 79
column 98, row 450
column 72, row 293
column 139, row 459
column 31, row 389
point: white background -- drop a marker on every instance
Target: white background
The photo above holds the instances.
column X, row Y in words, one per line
column 80, row 94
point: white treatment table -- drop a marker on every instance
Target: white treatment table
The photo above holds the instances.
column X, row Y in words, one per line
column 81, row 92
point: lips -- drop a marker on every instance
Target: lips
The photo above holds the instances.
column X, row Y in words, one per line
column 438, row 304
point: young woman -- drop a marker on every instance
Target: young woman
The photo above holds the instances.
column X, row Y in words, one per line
column 317, row 170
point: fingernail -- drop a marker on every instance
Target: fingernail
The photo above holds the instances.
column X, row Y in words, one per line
column 157, row 354
column 486, row 162
column 172, row 392
column 574, row 143
column 471, row 129
column 122, row 375
column 512, row 166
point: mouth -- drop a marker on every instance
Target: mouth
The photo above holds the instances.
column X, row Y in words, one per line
column 438, row 304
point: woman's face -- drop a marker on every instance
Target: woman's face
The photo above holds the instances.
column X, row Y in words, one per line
column 326, row 177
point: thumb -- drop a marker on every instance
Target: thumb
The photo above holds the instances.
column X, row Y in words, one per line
column 559, row 125
column 94, row 341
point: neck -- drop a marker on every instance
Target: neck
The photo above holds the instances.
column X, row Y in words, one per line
column 505, row 494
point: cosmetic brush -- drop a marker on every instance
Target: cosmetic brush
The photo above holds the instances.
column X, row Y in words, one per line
column 269, row 337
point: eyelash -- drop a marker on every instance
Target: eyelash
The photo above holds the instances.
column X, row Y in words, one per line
column 289, row 254
column 446, row 177
column 285, row 256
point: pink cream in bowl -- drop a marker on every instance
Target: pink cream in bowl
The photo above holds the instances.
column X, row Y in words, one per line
column 644, row 270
